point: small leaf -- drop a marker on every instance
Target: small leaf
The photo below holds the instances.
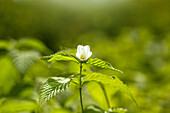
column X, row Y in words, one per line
column 102, row 64
column 112, row 82
column 62, row 58
column 66, row 55
column 93, row 109
column 47, row 57
column 118, row 110
column 52, row 87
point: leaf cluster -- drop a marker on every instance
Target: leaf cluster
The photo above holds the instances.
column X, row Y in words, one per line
column 53, row 86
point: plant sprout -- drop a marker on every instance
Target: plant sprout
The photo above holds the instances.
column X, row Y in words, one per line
column 56, row 85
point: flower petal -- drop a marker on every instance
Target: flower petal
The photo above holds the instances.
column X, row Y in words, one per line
column 89, row 55
column 82, row 51
column 79, row 48
column 87, row 50
column 78, row 55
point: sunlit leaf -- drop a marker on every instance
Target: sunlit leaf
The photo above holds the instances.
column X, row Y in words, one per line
column 102, row 64
column 97, row 94
column 52, row 87
column 61, row 56
column 118, row 110
column 112, row 82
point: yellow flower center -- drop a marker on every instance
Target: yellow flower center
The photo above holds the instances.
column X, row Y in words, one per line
column 82, row 57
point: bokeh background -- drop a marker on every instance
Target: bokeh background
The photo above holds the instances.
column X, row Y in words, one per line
column 133, row 35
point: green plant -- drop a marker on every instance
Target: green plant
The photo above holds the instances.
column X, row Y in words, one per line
column 56, row 85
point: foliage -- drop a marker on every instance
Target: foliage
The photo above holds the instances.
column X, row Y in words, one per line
column 110, row 81
column 15, row 106
column 52, row 87
column 24, row 59
column 17, row 59
column 61, row 55
column 131, row 35
column 95, row 109
column 102, row 64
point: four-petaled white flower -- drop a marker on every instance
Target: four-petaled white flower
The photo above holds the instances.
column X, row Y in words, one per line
column 83, row 52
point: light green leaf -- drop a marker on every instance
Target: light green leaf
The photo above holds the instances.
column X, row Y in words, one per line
column 8, row 75
column 96, row 109
column 23, row 60
column 94, row 89
column 52, row 87
column 5, row 44
column 108, row 81
column 93, row 109
column 47, row 57
column 101, row 64
column 118, row 110
column 17, row 106
column 66, row 55
column 62, row 58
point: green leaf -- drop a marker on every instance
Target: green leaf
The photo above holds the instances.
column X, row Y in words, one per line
column 93, row 88
column 118, row 110
column 93, row 109
column 17, row 106
column 8, row 75
column 47, row 57
column 101, row 64
column 96, row 109
column 5, row 44
column 108, row 81
column 61, row 56
column 23, row 60
column 52, row 87
column 27, row 43
column 71, row 52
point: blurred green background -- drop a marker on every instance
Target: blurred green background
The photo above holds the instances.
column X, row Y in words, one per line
column 134, row 35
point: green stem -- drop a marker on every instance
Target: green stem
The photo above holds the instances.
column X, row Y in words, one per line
column 80, row 89
column 105, row 94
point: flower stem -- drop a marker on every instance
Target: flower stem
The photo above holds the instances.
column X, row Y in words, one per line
column 80, row 89
column 105, row 94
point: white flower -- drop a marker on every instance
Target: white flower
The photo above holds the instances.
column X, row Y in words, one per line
column 83, row 52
